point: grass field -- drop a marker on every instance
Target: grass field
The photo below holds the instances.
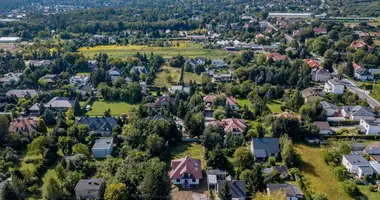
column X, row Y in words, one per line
column 193, row 150
column 275, row 106
column 318, row 173
column 117, row 108
column 377, row 42
column 174, row 73
column 368, row 194
column 243, row 102
column 187, row 49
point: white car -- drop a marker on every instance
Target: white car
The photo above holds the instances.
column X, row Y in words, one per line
column 88, row 108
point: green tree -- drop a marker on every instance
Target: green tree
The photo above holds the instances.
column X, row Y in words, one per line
column 116, row 191
column 340, row 173
column 216, row 159
column 49, row 117
column 81, row 148
column 225, row 193
column 155, row 145
column 243, row 158
column 53, row 190
column 287, row 150
column 254, row 180
column 77, row 109
column 41, row 127
column 70, row 114
column 4, row 126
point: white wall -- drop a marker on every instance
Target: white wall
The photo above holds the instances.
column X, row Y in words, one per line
column 181, row 181
column 338, row 89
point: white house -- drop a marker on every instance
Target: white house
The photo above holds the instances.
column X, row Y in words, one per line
column 79, row 80
column 363, row 75
column 370, row 127
column 114, row 72
column 356, row 113
column 320, row 75
column 186, row 172
column 330, row 108
column 219, row 63
column 334, row 86
column 102, row 147
column 357, row 164
column 375, row 166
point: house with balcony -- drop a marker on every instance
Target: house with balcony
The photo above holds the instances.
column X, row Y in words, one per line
column 231, row 125
column 186, row 172
column 357, row 164
column 370, row 127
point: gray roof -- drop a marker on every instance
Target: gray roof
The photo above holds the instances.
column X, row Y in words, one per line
column 99, row 123
column 22, row 93
column 357, row 146
column 335, row 82
column 90, row 184
column 366, row 169
column 139, row 70
column 59, row 102
column 103, row 143
column 375, row 165
column 266, row 144
column 291, row 190
column 364, row 112
column 237, row 188
column 363, row 72
column 327, row 105
column 372, row 151
column 38, row 63
column 216, row 172
column 356, row 160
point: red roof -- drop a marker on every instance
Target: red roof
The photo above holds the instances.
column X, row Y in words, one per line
column 24, row 124
column 297, row 33
column 359, row 44
column 186, row 165
column 209, row 99
column 356, row 66
column 363, row 34
column 320, row 30
column 276, row 56
column 323, row 125
column 230, row 124
column 312, row 63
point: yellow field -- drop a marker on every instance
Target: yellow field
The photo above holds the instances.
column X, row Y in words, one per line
column 187, row 49
column 174, row 73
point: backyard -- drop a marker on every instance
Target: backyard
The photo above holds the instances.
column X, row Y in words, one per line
column 170, row 76
column 117, row 108
column 274, row 106
column 187, row 49
column 193, row 150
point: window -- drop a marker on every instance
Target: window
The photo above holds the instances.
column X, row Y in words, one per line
column 178, row 180
column 194, row 180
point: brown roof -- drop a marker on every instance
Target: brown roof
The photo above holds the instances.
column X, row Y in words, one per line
column 323, row 125
column 230, row 124
column 276, row 56
column 320, row 30
column 209, row 99
column 312, row 63
column 23, row 124
column 186, row 165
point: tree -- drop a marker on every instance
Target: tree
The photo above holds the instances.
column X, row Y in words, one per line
column 216, row 159
column 243, row 158
column 155, row 145
column 4, row 126
column 53, row 190
column 319, row 196
column 195, row 123
column 212, row 136
column 81, row 148
column 60, row 171
column 77, row 109
column 49, row 117
column 254, row 180
column 8, row 192
column 116, row 191
column 225, row 193
column 287, row 150
column 70, row 114
column 349, row 187
column 279, row 194
column 219, row 114
column 340, row 173
column 41, row 127
column 37, row 146
column 71, row 179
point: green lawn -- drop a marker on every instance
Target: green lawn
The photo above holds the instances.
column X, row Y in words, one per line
column 275, row 106
column 243, row 102
column 170, row 76
column 51, row 173
column 318, row 173
column 187, row 49
column 117, row 108
column 368, row 194
column 193, row 150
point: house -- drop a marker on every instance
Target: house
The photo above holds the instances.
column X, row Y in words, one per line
column 371, row 151
column 38, row 63
column 288, row 114
column 128, row 79
column 324, row 128
column 331, row 109
column 219, row 63
column 213, row 176
column 375, row 166
column 237, row 189
column 50, row 78
column 10, row 77
column 334, row 86
column 100, row 125
column 222, row 78
column 231, row 125
column 357, row 148
column 356, row 113
column 363, row 75
column 312, row 94
column 312, row 63
column 102, row 147
column 276, row 57
column 320, row 31
column 22, row 93
column 55, row 104
column 359, row 44
column 180, row 89
column 263, row 148
column 231, row 101
column 90, row 189
column 114, row 72
column 92, row 64
column 186, row 172
column 23, row 125
column 370, row 127
column 196, row 61
column 79, row 80
column 282, row 171
column 357, row 164
column 161, row 102
column 292, row 191
column 139, row 70
column 320, row 75
column 356, row 66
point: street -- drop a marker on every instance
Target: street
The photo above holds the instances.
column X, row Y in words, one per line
column 363, row 94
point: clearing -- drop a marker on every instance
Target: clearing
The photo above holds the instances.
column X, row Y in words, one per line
column 193, row 150
column 275, row 106
column 117, row 108
column 170, row 76
column 187, row 49
column 318, row 173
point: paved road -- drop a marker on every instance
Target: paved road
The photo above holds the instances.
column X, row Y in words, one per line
column 363, row 94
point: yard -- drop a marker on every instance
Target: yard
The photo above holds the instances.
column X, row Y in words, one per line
column 275, row 106
column 318, row 173
column 187, row 49
column 193, row 150
column 170, row 76
column 117, row 108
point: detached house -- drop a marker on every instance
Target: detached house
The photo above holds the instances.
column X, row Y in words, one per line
column 263, row 148
column 357, row 164
column 100, row 125
column 10, row 77
column 39, row 63
column 231, row 101
column 320, row 31
column 55, row 104
column 237, row 188
column 79, row 80
column 331, row 109
column 334, row 86
column 363, row 74
column 320, row 75
column 23, row 93
column 292, row 191
column 276, row 57
column 370, row 127
column 324, row 128
column 231, row 125
column 102, row 147
column 186, row 172
column 219, row 63
column 356, row 113
column 312, row 94
column 23, row 125
column 139, row 70
column 90, row 189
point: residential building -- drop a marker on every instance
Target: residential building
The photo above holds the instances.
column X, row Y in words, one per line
column 263, row 148
column 100, row 125
column 231, row 101
column 10, row 39
column 22, row 93
column 292, row 191
column 356, row 164
column 320, row 75
column 312, row 94
column 224, row 78
column 370, row 127
column 213, row 176
column 334, row 86
column 90, row 189
column 331, row 109
column 10, row 77
column 372, row 151
column 282, row 171
column 186, row 172
column 180, row 89
column 237, row 189
column 128, row 79
column 356, row 113
column 55, row 104
column 291, row 15
column 79, row 80
column 375, row 166
column 139, row 70
column 23, row 125
column 219, row 63
column 50, row 78
column 92, row 64
column 363, row 74
column 38, row 63
column 324, row 128
column 312, row 63
column 320, row 31
column 276, row 57
column 231, row 125
column 359, row 44
column 114, row 72
column 196, row 61
column 102, row 147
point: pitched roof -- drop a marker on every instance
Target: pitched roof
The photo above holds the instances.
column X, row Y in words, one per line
column 38, row 63
column 290, row 190
column 320, row 30
column 103, row 143
column 328, row 105
column 90, row 184
column 356, row 160
column 59, row 102
column 22, row 93
column 363, row 112
column 356, row 66
column 99, row 123
column 276, row 56
column 237, row 188
column 24, row 124
column 363, row 72
column 263, row 145
column 139, row 70
column 186, row 165
column 211, row 97
column 230, row 124
column 323, row 125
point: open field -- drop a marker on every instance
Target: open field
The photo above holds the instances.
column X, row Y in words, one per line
column 117, row 108
column 187, row 50
column 368, row 194
column 243, row 102
column 163, row 79
column 275, row 106
column 318, row 173
column 377, row 42
column 193, row 150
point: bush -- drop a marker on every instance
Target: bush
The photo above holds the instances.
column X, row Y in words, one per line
column 350, row 187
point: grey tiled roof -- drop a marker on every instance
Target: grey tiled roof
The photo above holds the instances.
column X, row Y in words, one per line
column 268, row 144
column 291, row 190
column 104, row 124
column 90, row 184
column 103, row 143
column 356, row 160
column 237, row 188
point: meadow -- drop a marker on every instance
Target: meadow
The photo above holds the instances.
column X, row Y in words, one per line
column 117, row 108
column 169, row 76
column 193, row 150
column 187, row 49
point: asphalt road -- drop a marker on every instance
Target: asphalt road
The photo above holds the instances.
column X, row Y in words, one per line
column 363, row 94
